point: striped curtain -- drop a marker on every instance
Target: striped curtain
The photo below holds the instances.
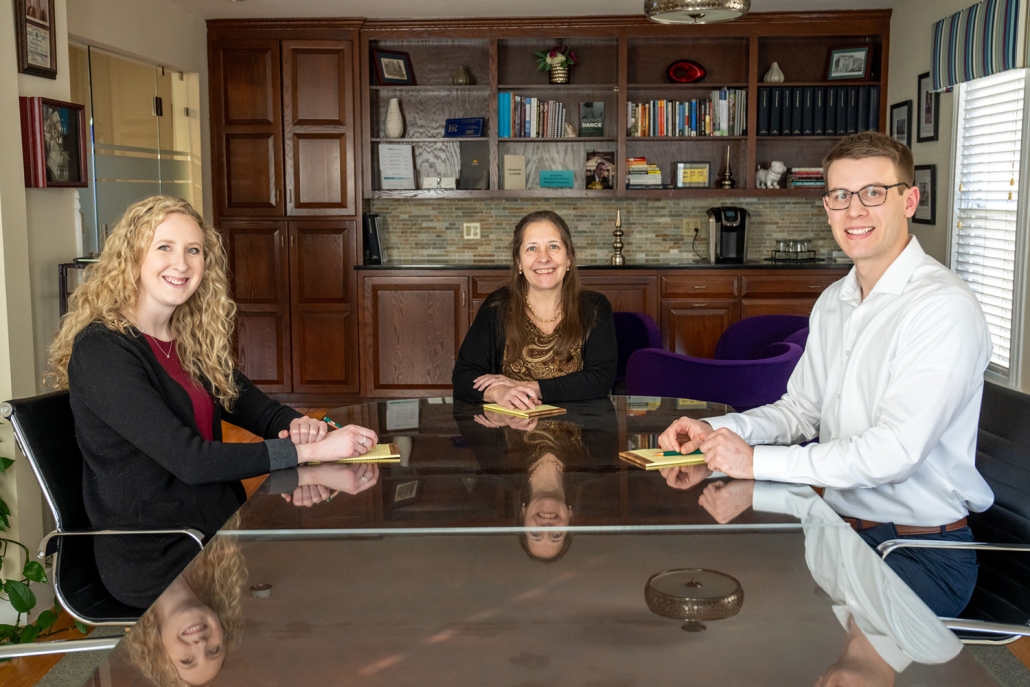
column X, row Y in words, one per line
column 987, row 38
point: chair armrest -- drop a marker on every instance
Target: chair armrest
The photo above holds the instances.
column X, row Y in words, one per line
column 62, row 646
column 890, row 545
column 41, row 552
column 986, row 627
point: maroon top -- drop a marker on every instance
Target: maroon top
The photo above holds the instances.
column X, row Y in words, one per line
column 203, row 404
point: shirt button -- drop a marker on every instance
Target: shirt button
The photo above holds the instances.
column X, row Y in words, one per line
column 847, row 353
column 838, row 397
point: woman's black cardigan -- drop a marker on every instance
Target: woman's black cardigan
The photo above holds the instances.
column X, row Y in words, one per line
column 482, row 352
column 146, row 465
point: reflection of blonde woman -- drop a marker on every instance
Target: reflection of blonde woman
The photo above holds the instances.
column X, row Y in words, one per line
column 185, row 636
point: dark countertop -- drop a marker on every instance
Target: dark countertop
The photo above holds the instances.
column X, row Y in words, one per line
column 822, row 264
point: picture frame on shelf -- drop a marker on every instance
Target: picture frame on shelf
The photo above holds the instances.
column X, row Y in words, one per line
column 693, row 175
column 53, row 135
column 393, row 68
column 36, row 37
column 848, row 64
column 929, row 107
column 901, row 122
column 926, row 182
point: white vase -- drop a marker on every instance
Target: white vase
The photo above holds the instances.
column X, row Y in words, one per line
column 774, row 75
column 394, row 125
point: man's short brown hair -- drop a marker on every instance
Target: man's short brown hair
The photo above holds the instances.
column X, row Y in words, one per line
column 874, row 144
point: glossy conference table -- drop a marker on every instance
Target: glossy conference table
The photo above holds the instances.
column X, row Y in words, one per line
column 425, row 577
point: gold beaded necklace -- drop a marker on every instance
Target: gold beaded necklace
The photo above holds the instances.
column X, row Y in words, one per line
column 533, row 312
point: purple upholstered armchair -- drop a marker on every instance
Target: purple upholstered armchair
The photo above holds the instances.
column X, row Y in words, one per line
column 747, row 338
column 633, row 331
column 742, row 384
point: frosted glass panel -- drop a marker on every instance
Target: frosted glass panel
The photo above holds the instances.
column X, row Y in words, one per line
column 114, row 167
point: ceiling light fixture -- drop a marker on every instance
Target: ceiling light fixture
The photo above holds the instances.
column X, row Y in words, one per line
column 695, row 11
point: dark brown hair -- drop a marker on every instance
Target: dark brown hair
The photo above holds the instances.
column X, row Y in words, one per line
column 571, row 329
column 874, row 144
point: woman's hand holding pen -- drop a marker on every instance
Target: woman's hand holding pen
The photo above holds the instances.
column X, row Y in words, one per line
column 305, row 430
column 352, row 478
column 347, row 442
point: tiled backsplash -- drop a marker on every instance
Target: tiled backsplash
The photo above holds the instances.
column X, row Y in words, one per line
column 430, row 231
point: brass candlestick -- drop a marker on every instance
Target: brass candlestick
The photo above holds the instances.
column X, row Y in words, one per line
column 617, row 258
column 727, row 176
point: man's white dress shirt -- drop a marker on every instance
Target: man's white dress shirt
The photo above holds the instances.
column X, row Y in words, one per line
column 892, row 387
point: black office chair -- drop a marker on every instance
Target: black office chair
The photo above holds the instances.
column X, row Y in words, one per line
column 999, row 611
column 45, row 431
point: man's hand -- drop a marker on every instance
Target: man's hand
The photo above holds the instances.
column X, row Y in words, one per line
column 726, row 501
column 305, row 430
column 685, row 476
column 727, row 452
column 684, row 435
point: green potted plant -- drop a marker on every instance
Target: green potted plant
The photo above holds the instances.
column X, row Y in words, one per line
column 556, row 62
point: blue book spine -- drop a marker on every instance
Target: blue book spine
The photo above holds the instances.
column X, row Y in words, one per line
column 863, row 108
column 874, row 108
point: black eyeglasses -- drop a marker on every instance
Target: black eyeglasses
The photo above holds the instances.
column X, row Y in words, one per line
column 870, row 196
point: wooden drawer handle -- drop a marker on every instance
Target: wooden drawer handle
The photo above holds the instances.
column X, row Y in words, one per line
column 700, row 286
column 698, row 305
column 815, row 286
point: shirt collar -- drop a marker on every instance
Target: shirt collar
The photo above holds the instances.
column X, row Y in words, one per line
column 893, row 280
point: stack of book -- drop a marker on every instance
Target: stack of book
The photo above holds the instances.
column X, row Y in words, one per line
column 639, row 174
column 805, row 177
column 525, row 117
column 817, row 110
column 724, row 113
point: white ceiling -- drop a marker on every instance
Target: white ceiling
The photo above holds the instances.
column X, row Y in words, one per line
column 413, row 9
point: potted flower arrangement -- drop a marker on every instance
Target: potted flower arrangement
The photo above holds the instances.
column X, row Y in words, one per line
column 556, row 62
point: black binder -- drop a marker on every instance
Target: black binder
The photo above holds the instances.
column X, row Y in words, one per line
column 763, row 111
column 830, row 126
column 874, row 108
column 371, row 228
column 797, row 111
column 842, row 110
column 775, row 110
column 786, row 108
column 863, row 108
column 819, row 111
column 852, row 100
column 808, row 114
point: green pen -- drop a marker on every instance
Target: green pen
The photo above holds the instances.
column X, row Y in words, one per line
column 677, row 453
column 331, row 423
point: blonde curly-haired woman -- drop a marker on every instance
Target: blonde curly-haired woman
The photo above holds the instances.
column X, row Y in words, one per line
column 145, row 353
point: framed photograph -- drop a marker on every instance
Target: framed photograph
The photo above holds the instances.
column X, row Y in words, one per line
column 848, row 63
column 926, row 182
column 37, row 43
column 901, row 118
column 53, row 143
column 929, row 106
column 393, row 68
column 402, row 492
column 693, row 174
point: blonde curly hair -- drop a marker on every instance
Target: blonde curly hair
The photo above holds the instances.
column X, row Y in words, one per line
column 216, row 576
column 202, row 326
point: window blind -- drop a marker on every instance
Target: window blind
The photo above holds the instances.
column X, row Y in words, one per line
column 986, row 198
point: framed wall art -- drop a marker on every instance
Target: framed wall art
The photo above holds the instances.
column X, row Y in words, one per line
column 53, row 139
column 37, row 43
column 848, row 63
column 901, row 120
column 929, row 106
column 926, row 182
column 693, row 174
column 393, row 68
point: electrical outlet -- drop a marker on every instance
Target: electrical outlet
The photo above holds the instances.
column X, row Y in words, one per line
column 691, row 227
column 471, row 230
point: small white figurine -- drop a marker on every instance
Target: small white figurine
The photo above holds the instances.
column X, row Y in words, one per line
column 770, row 178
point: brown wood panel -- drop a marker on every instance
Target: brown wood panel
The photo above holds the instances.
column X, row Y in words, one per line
column 412, row 334
column 725, row 58
column 324, row 327
column 749, row 307
column 793, row 283
column 319, row 127
column 483, row 286
column 627, row 293
column 246, row 120
column 693, row 327
column 680, row 285
column 263, row 348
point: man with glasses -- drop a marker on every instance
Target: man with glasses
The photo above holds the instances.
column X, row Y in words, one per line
column 890, row 383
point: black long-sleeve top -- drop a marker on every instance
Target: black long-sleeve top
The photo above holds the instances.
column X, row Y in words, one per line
column 482, row 352
column 145, row 464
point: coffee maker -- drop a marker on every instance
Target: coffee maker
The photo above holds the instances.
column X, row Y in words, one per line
column 727, row 235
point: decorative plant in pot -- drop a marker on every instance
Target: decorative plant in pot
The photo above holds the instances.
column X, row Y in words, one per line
column 556, row 62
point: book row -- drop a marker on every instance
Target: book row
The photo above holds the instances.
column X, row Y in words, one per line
column 527, row 117
column 724, row 113
column 817, row 110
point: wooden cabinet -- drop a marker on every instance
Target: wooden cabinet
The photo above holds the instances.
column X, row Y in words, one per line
column 627, row 292
column 784, row 294
column 411, row 331
column 697, row 309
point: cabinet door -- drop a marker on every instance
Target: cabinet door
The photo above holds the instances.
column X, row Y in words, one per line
column 626, row 293
column 323, row 310
column 749, row 307
column 318, row 114
column 693, row 327
column 412, row 333
column 246, row 119
column 259, row 273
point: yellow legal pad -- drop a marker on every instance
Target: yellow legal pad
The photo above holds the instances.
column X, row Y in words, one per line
column 380, row 453
column 655, row 458
column 540, row 411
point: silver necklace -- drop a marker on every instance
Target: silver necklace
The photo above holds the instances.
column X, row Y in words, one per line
column 171, row 345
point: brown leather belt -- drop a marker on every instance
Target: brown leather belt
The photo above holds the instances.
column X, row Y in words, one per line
column 859, row 525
